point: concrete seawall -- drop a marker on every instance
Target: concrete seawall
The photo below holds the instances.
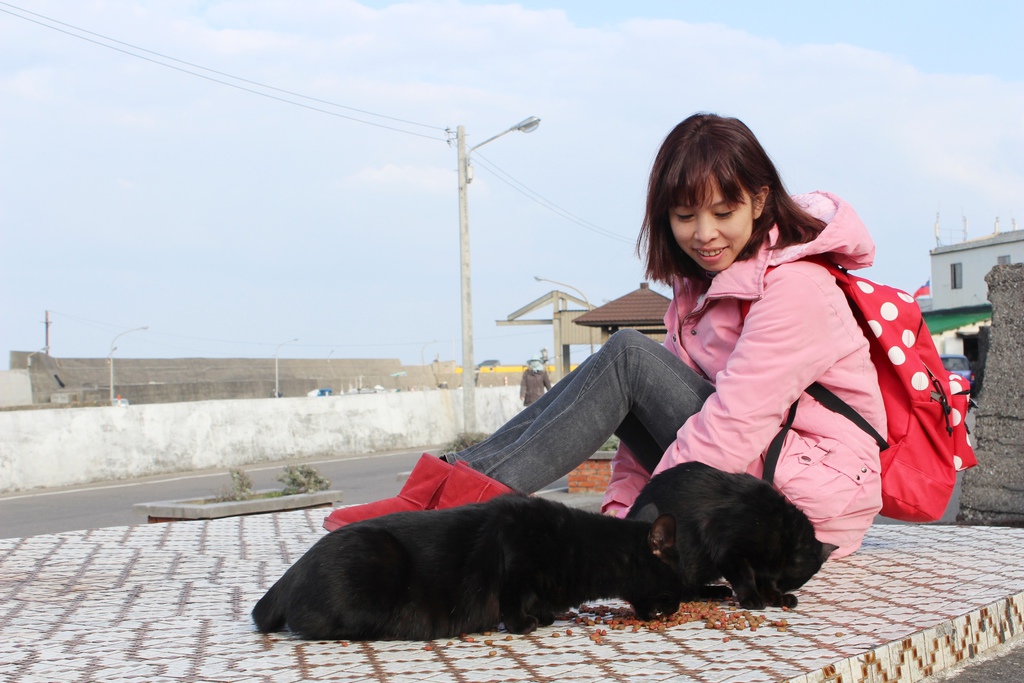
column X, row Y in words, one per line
column 76, row 446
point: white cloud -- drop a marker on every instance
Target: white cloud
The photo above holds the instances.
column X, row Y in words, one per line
column 252, row 186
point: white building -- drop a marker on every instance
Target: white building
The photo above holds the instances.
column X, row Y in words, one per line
column 959, row 270
column 959, row 296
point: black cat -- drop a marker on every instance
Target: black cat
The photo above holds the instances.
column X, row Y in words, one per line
column 441, row 573
column 737, row 527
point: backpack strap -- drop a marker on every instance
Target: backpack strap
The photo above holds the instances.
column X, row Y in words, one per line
column 816, row 390
column 771, row 457
column 838, row 405
column 833, row 403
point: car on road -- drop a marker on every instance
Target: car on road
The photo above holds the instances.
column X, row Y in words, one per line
column 959, row 365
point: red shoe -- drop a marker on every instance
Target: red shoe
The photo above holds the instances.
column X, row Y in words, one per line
column 420, row 492
column 432, row 485
column 465, row 485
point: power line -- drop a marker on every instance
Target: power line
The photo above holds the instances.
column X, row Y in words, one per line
column 547, row 204
column 221, row 73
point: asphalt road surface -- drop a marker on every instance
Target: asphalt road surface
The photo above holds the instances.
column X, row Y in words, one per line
column 361, row 479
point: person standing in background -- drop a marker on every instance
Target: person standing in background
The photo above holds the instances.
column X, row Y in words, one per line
column 535, row 381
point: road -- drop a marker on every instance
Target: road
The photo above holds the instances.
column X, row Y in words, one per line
column 361, row 478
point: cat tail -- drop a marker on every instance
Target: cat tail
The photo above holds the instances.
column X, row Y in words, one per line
column 269, row 613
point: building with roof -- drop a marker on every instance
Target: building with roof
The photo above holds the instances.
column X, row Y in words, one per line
column 642, row 310
column 958, row 310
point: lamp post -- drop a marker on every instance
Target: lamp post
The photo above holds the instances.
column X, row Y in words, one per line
column 277, row 377
column 538, row 278
column 110, row 357
column 465, row 178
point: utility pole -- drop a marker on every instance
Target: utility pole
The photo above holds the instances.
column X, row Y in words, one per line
column 46, row 323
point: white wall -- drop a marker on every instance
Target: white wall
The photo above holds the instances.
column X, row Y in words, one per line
column 977, row 257
column 15, row 388
column 44, row 448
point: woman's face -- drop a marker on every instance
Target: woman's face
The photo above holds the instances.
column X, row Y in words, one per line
column 713, row 235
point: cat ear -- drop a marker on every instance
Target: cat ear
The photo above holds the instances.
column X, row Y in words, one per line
column 663, row 535
column 826, row 550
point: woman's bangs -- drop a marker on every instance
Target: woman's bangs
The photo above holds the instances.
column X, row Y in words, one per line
column 697, row 181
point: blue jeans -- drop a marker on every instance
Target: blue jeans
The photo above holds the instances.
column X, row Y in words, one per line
column 632, row 387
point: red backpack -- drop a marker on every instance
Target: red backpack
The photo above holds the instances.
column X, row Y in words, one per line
column 925, row 405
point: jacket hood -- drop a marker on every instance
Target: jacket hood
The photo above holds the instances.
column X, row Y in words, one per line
column 845, row 238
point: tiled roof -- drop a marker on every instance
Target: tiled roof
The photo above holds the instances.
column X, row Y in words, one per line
column 640, row 307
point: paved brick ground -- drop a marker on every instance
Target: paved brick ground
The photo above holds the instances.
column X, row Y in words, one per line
column 171, row 602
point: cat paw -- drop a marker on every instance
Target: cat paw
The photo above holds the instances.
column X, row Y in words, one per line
column 788, row 600
column 521, row 626
column 755, row 602
column 645, row 611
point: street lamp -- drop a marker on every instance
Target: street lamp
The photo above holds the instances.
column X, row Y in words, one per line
column 465, row 178
column 538, row 278
column 277, row 382
column 110, row 357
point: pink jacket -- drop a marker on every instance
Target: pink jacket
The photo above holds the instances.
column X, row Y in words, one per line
column 799, row 329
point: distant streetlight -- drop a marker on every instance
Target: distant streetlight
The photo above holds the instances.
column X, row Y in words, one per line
column 28, row 358
column 277, row 380
column 538, row 278
column 110, row 357
column 465, row 178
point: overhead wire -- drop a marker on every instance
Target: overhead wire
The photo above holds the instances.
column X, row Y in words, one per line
column 498, row 172
column 546, row 203
column 220, row 73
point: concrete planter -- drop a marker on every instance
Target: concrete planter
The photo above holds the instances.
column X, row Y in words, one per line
column 177, row 510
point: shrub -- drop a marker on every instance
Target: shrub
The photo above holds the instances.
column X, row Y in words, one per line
column 302, row 479
column 240, row 489
column 462, row 441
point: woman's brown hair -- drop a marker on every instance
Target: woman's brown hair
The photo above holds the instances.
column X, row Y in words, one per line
column 703, row 151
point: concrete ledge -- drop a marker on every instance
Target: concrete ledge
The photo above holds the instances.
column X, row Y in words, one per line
column 178, row 510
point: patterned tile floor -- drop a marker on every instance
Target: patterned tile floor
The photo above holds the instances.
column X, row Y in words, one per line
column 171, row 602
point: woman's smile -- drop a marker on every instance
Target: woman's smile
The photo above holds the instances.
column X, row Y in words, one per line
column 714, row 235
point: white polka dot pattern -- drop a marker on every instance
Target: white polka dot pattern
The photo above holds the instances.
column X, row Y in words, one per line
column 925, row 406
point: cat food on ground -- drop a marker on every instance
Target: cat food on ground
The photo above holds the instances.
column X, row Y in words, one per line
column 714, row 615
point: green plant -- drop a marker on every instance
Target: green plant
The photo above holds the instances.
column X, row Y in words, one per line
column 302, row 479
column 612, row 444
column 240, row 489
column 462, row 441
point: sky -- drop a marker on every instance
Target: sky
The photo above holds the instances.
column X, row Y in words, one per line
column 237, row 174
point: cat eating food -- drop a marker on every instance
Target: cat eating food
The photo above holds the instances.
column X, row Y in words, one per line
column 736, row 527
column 440, row 573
